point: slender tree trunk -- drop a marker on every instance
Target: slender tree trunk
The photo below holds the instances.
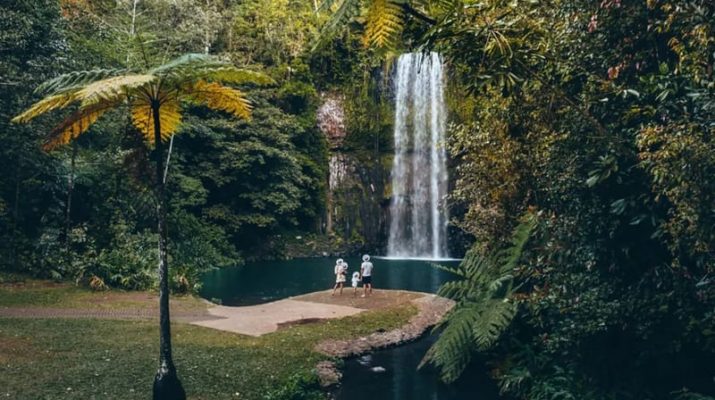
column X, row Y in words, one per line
column 207, row 31
column 70, row 189
column 132, row 27
column 15, row 216
column 167, row 385
column 329, row 208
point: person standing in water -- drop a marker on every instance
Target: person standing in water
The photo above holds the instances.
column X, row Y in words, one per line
column 340, row 270
column 366, row 273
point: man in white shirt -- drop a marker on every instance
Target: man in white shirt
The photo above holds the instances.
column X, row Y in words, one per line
column 366, row 273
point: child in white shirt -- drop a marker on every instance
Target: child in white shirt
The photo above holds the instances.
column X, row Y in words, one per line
column 355, row 280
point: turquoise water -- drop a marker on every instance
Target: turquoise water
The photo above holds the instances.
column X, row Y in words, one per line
column 266, row 281
column 389, row 374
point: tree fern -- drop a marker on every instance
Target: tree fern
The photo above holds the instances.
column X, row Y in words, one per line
column 219, row 97
column 383, row 19
column 484, row 306
column 495, row 316
column 155, row 98
column 383, row 24
column 453, row 350
column 76, row 123
column 192, row 78
column 169, row 118
column 54, row 102
column 455, row 289
column 111, row 89
column 75, row 80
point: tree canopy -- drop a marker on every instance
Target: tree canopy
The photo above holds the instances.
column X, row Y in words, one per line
column 581, row 163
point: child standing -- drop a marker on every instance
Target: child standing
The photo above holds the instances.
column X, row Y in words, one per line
column 355, row 280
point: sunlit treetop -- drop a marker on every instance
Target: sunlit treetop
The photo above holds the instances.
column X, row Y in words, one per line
column 157, row 93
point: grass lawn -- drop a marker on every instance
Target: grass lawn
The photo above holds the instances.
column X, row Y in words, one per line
column 111, row 359
column 47, row 294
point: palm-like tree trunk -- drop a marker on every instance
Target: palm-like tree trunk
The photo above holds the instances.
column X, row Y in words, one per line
column 167, row 385
column 68, row 205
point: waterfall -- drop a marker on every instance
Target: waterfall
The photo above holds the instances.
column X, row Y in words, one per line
column 418, row 213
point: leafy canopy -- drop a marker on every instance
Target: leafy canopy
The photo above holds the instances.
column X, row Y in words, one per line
column 160, row 92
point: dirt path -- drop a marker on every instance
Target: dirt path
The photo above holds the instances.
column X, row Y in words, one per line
column 266, row 318
column 250, row 320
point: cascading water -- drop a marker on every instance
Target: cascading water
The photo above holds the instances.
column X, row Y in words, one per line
column 418, row 213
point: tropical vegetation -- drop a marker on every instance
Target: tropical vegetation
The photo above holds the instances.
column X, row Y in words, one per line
column 581, row 147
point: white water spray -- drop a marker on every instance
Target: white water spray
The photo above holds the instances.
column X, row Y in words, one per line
column 418, row 212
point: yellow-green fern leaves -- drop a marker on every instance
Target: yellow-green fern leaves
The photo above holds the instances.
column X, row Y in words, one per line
column 112, row 88
column 76, row 124
column 49, row 103
column 169, row 118
column 219, row 97
column 383, row 25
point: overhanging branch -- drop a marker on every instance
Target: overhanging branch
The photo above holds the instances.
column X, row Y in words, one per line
column 411, row 11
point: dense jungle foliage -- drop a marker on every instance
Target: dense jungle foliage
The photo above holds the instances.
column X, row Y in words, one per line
column 87, row 210
column 586, row 128
column 582, row 155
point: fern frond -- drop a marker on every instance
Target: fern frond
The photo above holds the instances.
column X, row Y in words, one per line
column 219, row 97
column 483, row 303
column 75, row 80
column 169, row 119
column 474, row 265
column 236, row 76
column 76, row 124
column 495, row 317
column 192, row 67
column 384, row 23
column 498, row 283
column 510, row 257
column 453, row 270
column 112, row 88
column 452, row 352
column 47, row 104
column 455, row 289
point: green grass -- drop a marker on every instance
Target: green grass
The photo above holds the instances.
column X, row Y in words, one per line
column 86, row 358
column 41, row 293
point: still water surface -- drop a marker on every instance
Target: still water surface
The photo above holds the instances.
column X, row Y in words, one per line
column 389, row 374
column 267, row 281
column 392, row 375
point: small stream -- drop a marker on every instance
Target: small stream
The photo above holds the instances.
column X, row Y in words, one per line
column 389, row 374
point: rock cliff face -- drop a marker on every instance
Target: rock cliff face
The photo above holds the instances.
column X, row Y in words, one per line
column 358, row 194
column 331, row 119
